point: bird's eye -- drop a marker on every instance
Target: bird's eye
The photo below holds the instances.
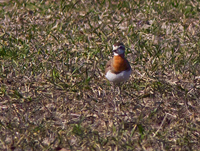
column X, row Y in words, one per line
column 121, row 47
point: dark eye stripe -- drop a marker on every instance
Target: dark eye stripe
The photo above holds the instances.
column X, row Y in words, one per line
column 121, row 47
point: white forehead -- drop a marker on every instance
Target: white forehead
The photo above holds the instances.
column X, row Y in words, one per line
column 115, row 47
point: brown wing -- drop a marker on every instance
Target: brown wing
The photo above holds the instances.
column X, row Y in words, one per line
column 128, row 65
column 108, row 65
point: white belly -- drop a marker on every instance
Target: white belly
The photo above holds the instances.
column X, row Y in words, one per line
column 120, row 77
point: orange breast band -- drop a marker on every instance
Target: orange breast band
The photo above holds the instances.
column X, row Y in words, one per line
column 119, row 64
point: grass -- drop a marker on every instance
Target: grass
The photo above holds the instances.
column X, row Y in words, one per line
column 52, row 87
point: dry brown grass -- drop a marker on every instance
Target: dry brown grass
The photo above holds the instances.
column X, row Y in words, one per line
column 52, row 87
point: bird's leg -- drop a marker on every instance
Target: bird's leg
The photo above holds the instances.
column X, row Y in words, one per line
column 119, row 89
column 114, row 95
column 118, row 95
column 113, row 87
column 117, row 92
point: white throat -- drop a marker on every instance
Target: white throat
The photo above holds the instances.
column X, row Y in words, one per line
column 115, row 54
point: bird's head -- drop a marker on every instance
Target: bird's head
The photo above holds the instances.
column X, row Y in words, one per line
column 118, row 48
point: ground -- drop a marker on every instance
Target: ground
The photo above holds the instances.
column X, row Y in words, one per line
column 53, row 93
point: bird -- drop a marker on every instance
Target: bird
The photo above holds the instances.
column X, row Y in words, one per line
column 118, row 69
